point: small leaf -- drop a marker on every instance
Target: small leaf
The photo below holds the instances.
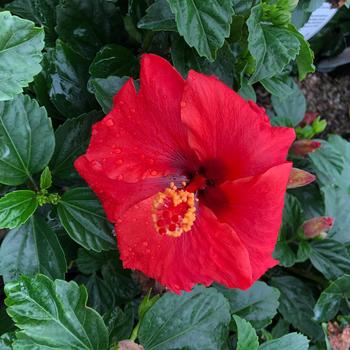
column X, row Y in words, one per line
column 66, row 80
column 42, row 12
column 279, row 86
column 330, row 257
column 158, row 17
column 258, row 304
column 113, row 60
column 72, row 138
column 86, row 25
column 199, row 320
column 119, row 323
column 337, row 206
column 292, row 106
column 6, row 341
column 54, row 315
column 27, row 140
column 328, row 303
column 306, row 55
column 186, row 58
column 292, row 341
column 146, row 303
column 33, row 248
column 296, row 304
column 17, row 207
column 204, row 25
column 89, row 261
column 20, row 54
column 247, row 338
column 105, row 89
column 273, row 48
column 328, row 163
column 82, row 216
column 45, row 179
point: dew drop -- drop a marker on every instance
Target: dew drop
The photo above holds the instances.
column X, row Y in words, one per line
column 148, row 250
column 94, row 132
column 154, row 173
column 109, row 122
column 121, row 103
column 117, row 150
column 132, row 110
column 145, row 244
column 120, row 177
column 183, row 104
column 120, row 161
column 96, row 165
column 151, row 161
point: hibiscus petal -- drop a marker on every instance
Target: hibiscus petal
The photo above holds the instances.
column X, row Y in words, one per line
column 143, row 136
column 253, row 207
column 211, row 251
column 232, row 137
column 118, row 196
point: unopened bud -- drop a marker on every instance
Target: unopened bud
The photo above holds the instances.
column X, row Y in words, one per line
column 309, row 117
column 129, row 345
column 299, row 178
column 304, row 147
column 317, row 227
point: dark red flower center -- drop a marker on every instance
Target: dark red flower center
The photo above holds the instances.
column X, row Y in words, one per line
column 174, row 210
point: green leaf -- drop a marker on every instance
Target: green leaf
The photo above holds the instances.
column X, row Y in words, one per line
column 120, row 281
column 146, row 303
column 337, row 206
column 113, row 60
column 86, row 25
column 306, row 56
column 119, row 323
column 17, row 207
column 26, row 140
column 67, row 77
column 195, row 320
column 45, row 179
column 158, row 17
column 247, row 338
column 33, row 248
column 72, row 138
column 42, row 12
column 186, row 58
column 292, row 106
column 292, row 341
column 258, row 304
column 6, row 341
column 273, row 48
column 330, row 257
column 328, row 304
column 279, row 86
column 327, row 163
column 101, row 297
column 105, row 89
column 204, row 25
column 82, row 216
column 89, row 261
column 296, row 304
column 20, row 54
column 54, row 314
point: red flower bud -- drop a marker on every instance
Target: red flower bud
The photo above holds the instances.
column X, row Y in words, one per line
column 308, row 118
column 304, row 147
column 317, row 227
column 299, row 178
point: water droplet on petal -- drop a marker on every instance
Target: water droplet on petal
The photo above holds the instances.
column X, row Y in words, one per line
column 148, row 250
column 145, row 244
column 154, row 173
column 121, row 102
column 120, row 161
column 183, row 104
column 109, row 122
column 151, row 161
column 117, row 150
column 132, row 110
column 96, row 165
column 120, row 177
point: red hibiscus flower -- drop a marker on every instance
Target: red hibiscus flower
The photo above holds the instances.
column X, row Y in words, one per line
column 193, row 177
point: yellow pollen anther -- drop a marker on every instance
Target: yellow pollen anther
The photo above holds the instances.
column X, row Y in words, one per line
column 174, row 211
